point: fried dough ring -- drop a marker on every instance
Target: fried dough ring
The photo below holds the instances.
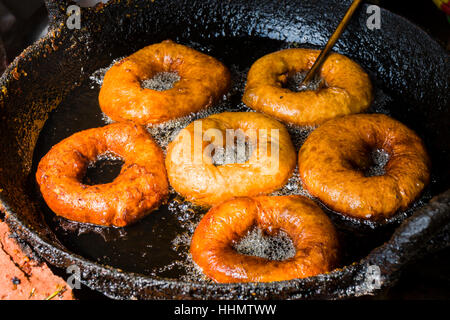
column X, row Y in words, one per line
column 332, row 160
column 138, row 189
column 203, row 81
column 193, row 174
column 310, row 230
column 348, row 89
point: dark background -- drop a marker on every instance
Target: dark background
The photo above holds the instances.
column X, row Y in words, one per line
column 24, row 21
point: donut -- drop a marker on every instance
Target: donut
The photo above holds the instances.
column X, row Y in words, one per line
column 333, row 160
column 203, row 80
column 347, row 87
column 139, row 188
column 193, row 173
column 311, row 231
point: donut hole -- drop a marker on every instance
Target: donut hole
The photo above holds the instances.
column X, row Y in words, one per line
column 259, row 243
column 293, row 82
column 374, row 164
column 238, row 151
column 378, row 160
column 104, row 169
column 161, row 81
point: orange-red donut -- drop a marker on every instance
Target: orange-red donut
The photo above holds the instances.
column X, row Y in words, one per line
column 333, row 159
column 347, row 87
column 139, row 188
column 193, row 174
column 310, row 230
column 203, row 81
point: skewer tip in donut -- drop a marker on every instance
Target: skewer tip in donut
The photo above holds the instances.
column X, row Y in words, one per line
column 347, row 88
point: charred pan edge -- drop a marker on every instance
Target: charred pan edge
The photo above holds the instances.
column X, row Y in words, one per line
column 413, row 239
column 427, row 230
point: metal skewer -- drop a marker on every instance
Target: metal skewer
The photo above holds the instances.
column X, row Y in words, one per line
column 334, row 37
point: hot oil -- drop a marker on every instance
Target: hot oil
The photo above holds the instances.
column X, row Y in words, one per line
column 158, row 245
column 104, row 169
column 256, row 243
column 161, row 81
column 294, row 83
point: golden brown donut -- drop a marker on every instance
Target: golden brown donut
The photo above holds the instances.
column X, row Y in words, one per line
column 310, row 230
column 194, row 175
column 137, row 190
column 203, row 81
column 348, row 88
column 333, row 159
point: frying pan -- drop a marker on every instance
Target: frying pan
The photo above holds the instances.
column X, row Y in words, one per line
column 408, row 64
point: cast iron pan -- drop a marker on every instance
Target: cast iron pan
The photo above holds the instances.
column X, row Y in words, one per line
column 406, row 65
